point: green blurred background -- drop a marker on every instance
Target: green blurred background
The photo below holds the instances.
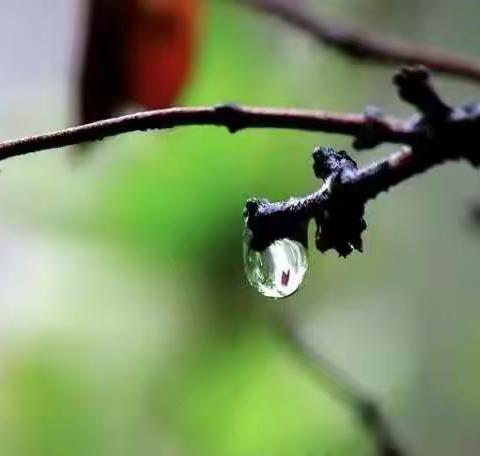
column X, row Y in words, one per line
column 126, row 324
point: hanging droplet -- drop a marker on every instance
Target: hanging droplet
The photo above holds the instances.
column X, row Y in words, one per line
column 277, row 271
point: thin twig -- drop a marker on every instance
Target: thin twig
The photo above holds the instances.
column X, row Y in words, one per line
column 363, row 45
column 233, row 117
column 343, row 387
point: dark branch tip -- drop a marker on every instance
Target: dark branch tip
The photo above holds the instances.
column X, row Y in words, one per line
column 327, row 162
column 251, row 207
column 416, row 74
column 375, row 129
column 414, row 87
column 268, row 221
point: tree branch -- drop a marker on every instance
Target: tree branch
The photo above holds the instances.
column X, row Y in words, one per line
column 270, row 221
column 344, row 388
column 233, row 117
column 360, row 44
column 440, row 134
column 368, row 129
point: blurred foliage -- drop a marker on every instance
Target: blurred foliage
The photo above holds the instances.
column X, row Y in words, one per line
column 126, row 325
column 174, row 200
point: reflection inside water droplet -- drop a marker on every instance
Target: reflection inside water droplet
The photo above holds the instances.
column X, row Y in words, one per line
column 277, row 271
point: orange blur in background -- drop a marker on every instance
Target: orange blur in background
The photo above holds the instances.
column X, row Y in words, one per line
column 160, row 50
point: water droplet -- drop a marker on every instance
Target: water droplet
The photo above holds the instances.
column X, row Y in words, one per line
column 277, row 271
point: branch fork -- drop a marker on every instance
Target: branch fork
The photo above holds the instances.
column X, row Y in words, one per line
column 439, row 133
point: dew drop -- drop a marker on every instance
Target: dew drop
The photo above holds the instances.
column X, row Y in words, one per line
column 279, row 270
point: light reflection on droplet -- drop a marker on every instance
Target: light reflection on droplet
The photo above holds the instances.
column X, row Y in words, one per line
column 279, row 270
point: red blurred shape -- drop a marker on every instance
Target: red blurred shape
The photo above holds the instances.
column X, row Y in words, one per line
column 136, row 51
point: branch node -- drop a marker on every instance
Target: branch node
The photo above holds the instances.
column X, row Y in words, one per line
column 374, row 132
column 231, row 116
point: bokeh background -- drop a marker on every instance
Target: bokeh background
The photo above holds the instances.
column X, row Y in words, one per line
column 126, row 324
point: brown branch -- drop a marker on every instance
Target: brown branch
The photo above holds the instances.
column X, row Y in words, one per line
column 234, row 118
column 364, row 45
column 439, row 134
